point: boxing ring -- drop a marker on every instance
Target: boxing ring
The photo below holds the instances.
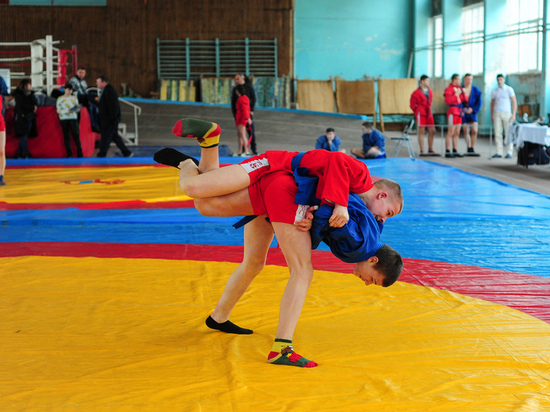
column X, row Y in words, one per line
column 108, row 273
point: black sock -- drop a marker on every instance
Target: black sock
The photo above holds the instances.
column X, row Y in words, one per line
column 171, row 157
column 228, row 327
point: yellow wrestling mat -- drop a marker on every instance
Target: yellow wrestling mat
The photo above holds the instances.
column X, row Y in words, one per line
column 128, row 334
column 92, row 185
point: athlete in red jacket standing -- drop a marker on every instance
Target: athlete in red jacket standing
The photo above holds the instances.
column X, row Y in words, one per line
column 455, row 98
column 421, row 105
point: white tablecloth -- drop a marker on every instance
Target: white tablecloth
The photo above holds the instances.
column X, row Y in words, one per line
column 533, row 133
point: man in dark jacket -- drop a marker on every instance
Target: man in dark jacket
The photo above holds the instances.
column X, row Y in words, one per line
column 251, row 94
column 25, row 116
column 109, row 117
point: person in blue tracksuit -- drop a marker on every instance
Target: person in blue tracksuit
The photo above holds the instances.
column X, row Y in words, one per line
column 469, row 113
column 374, row 145
column 329, row 141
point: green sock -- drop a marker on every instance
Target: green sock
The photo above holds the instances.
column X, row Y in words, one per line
column 206, row 133
column 282, row 353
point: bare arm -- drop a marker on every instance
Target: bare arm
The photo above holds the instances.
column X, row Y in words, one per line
column 514, row 108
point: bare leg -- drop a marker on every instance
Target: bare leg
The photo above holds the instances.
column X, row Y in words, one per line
column 210, row 159
column 2, row 153
column 421, row 138
column 241, row 135
column 448, row 138
column 214, row 182
column 373, row 152
column 431, row 134
column 466, row 131
column 258, row 235
column 233, row 204
column 296, row 247
column 456, row 135
column 359, row 153
column 474, row 134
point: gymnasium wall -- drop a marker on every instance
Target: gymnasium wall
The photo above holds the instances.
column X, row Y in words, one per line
column 352, row 39
column 119, row 40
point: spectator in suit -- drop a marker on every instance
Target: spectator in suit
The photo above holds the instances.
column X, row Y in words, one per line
column 109, row 117
column 25, row 116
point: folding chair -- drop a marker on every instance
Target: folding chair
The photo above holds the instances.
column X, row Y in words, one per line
column 404, row 139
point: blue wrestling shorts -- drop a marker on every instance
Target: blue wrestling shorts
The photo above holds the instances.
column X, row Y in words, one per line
column 469, row 118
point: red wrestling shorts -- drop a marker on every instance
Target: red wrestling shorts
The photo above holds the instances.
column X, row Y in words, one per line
column 454, row 118
column 425, row 120
column 274, row 196
column 2, row 122
column 268, row 162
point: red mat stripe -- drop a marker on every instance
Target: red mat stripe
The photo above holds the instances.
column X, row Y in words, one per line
column 526, row 293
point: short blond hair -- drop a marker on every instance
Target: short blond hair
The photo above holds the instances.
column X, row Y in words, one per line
column 393, row 189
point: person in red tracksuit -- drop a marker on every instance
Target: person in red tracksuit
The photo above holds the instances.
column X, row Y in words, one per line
column 242, row 119
column 456, row 99
column 2, row 144
column 421, row 105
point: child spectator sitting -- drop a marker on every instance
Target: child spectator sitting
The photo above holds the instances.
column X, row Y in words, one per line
column 67, row 109
column 374, row 146
column 329, row 141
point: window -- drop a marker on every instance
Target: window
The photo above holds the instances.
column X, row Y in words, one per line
column 435, row 43
column 524, row 40
column 472, row 39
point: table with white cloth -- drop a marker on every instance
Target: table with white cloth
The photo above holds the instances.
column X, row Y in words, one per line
column 534, row 134
column 528, row 132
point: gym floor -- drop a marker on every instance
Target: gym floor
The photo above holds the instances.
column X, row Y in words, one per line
column 109, row 272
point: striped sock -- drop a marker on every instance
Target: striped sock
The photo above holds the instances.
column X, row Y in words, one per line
column 282, row 353
column 206, row 133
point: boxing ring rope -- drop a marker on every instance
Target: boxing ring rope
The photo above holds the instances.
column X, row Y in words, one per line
column 42, row 53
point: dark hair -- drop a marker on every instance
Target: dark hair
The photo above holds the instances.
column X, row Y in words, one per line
column 103, row 78
column 423, row 77
column 330, row 129
column 68, row 86
column 244, row 76
column 368, row 125
column 390, row 264
column 81, row 68
column 468, row 74
column 500, row 75
column 240, row 88
column 454, row 76
column 23, row 84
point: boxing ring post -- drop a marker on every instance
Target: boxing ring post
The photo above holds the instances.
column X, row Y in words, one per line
column 42, row 57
